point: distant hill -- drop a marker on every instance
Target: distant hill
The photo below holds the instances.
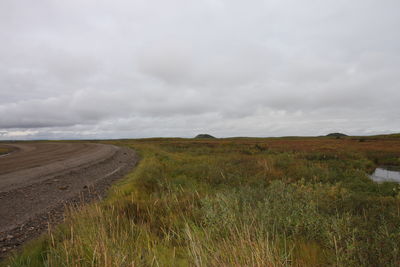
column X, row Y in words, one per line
column 205, row 136
column 336, row 135
column 394, row 135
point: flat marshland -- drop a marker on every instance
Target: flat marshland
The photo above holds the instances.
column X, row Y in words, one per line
column 237, row 202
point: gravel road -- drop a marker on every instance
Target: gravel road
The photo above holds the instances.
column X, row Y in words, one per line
column 37, row 180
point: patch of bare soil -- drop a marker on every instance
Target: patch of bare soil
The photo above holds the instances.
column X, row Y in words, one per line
column 38, row 180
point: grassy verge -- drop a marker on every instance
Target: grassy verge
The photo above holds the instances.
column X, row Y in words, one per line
column 4, row 151
column 237, row 202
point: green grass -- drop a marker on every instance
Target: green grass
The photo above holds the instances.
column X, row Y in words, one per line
column 4, row 150
column 236, row 202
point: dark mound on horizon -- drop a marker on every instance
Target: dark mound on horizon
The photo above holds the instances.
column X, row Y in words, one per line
column 336, row 135
column 205, row 136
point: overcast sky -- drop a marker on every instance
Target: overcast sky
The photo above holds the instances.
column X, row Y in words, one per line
column 142, row 68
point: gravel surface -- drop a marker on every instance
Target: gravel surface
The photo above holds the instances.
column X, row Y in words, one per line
column 37, row 181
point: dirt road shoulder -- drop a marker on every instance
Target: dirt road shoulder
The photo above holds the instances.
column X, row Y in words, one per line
column 30, row 205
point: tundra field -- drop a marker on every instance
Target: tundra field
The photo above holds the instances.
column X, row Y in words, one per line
column 237, row 202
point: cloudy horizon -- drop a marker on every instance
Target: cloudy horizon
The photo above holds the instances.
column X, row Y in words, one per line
column 132, row 69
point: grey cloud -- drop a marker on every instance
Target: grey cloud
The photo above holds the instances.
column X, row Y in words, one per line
column 94, row 69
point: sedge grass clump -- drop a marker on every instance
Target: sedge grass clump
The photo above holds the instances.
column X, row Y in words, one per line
column 4, row 150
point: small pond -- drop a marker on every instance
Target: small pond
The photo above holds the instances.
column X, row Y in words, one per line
column 384, row 174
